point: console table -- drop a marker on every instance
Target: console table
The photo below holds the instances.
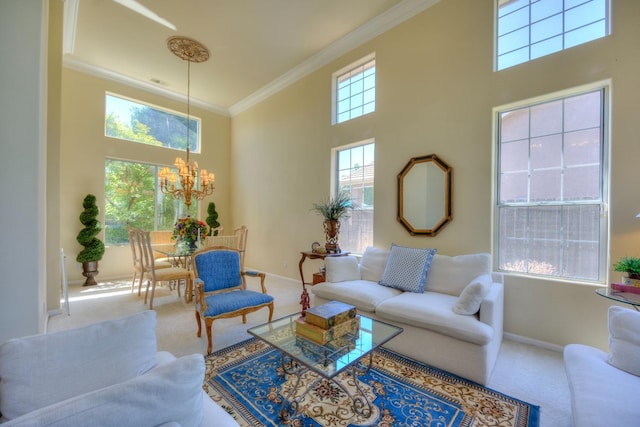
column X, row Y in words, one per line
column 304, row 298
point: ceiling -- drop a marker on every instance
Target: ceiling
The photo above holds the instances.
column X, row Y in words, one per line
column 257, row 47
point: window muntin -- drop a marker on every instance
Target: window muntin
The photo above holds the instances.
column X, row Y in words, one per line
column 552, row 188
column 139, row 122
column 529, row 29
column 133, row 196
column 354, row 90
column 355, row 166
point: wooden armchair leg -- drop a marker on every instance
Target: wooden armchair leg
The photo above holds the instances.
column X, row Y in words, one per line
column 270, row 311
column 199, row 324
column 208, row 323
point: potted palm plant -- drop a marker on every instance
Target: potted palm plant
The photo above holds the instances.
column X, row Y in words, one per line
column 631, row 267
column 333, row 210
column 93, row 246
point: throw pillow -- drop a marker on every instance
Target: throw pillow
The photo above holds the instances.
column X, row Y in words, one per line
column 471, row 297
column 40, row 370
column 372, row 263
column 342, row 268
column 450, row 274
column 171, row 392
column 407, row 268
column 624, row 339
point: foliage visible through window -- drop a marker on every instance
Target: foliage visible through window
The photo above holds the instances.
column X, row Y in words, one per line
column 529, row 29
column 551, row 188
column 355, row 174
column 355, row 90
column 132, row 197
column 134, row 121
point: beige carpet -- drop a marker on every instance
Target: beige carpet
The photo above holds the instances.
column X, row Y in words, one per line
column 523, row 371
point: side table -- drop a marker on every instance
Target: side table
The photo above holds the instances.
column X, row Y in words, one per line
column 304, row 298
column 621, row 297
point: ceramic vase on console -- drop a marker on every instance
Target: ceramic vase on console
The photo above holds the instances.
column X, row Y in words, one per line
column 331, row 232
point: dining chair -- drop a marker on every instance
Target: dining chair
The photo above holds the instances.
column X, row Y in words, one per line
column 242, row 232
column 155, row 275
column 136, row 257
column 221, row 290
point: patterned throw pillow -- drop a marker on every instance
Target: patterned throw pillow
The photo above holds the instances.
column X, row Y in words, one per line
column 407, row 268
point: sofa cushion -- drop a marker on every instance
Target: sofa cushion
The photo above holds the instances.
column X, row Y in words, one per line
column 169, row 393
column 451, row 274
column 363, row 294
column 624, row 339
column 601, row 395
column 373, row 262
column 407, row 268
column 471, row 297
column 434, row 311
column 40, row 370
column 339, row 269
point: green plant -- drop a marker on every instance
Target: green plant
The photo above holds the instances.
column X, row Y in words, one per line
column 93, row 247
column 212, row 219
column 628, row 265
column 334, row 208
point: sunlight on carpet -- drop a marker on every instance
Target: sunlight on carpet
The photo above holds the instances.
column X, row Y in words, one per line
column 248, row 382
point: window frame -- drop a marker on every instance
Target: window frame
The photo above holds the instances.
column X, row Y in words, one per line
column 563, row 34
column 195, row 141
column 335, row 179
column 179, row 208
column 335, row 77
column 605, row 179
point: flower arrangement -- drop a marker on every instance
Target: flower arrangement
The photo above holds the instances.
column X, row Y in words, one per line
column 189, row 229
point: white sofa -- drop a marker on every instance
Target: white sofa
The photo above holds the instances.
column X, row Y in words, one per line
column 604, row 386
column 106, row 374
column 463, row 344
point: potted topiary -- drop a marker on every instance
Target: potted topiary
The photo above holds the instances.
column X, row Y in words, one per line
column 93, row 247
column 212, row 219
column 333, row 210
column 630, row 266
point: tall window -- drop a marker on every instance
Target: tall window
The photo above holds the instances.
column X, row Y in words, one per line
column 529, row 29
column 354, row 90
column 354, row 173
column 133, row 197
column 552, row 187
column 134, row 121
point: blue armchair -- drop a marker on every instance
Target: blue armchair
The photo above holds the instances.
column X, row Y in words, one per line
column 220, row 288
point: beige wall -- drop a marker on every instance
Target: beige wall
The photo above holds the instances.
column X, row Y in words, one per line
column 435, row 93
column 84, row 149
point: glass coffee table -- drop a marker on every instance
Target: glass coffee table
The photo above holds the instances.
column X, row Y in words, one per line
column 348, row 353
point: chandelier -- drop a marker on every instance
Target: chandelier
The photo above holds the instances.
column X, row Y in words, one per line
column 191, row 51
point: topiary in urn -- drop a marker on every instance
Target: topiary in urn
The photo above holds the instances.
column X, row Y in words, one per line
column 212, row 219
column 93, row 247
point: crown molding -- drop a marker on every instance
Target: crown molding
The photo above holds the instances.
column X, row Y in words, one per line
column 396, row 15
column 84, row 67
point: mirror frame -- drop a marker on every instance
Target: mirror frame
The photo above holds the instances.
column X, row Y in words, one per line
column 448, row 214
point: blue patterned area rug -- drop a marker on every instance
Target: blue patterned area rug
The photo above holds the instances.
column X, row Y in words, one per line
column 248, row 382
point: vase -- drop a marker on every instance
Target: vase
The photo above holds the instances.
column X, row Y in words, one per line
column 193, row 245
column 331, row 232
column 89, row 270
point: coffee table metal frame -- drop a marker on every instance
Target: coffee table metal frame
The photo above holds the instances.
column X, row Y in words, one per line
column 352, row 353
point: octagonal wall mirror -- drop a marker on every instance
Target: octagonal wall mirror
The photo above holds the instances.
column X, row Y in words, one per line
column 424, row 195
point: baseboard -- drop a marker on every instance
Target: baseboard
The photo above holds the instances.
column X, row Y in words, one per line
column 537, row 343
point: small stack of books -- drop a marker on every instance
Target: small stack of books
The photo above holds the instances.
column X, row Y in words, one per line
column 328, row 322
